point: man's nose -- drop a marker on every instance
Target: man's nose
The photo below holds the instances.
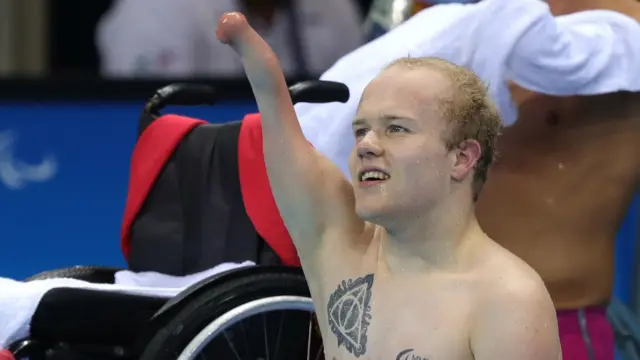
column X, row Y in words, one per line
column 369, row 146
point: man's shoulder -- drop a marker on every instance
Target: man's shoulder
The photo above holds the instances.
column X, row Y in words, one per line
column 515, row 311
column 511, row 281
column 511, row 286
column 521, row 291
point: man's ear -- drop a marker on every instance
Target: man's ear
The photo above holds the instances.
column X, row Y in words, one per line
column 466, row 156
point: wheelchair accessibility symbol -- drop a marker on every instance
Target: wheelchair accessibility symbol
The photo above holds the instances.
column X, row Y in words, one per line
column 16, row 174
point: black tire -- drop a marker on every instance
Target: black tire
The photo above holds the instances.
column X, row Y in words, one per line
column 172, row 339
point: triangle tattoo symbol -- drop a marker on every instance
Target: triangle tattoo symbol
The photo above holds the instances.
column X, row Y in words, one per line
column 349, row 313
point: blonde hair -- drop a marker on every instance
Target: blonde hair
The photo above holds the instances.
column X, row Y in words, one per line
column 472, row 113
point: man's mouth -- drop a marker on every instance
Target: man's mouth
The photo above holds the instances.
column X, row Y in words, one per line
column 372, row 176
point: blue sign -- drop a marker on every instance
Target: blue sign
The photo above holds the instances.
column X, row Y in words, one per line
column 63, row 180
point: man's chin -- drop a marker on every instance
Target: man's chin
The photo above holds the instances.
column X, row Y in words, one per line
column 372, row 214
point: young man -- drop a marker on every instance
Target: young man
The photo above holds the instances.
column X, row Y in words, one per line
column 567, row 88
column 396, row 262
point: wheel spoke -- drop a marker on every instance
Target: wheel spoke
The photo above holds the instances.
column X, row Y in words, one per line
column 266, row 336
column 246, row 342
column 233, row 348
column 278, row 337
column 309, row 336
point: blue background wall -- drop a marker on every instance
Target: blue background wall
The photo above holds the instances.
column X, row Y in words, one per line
column 74, row 218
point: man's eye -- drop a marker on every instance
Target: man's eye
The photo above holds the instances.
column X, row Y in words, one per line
column 360, row 132
column 396, row 128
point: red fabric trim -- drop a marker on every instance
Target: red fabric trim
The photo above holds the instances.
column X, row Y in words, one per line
column 153, row 149
column 6, row 355
column 256, row 192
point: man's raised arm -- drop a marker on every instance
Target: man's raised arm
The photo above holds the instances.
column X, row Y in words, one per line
column 310, row 192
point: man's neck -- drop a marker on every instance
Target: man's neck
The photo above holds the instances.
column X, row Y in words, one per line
column 431, row 242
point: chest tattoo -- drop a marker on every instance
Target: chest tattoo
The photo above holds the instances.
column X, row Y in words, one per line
column 408, row 354
column 349, row 313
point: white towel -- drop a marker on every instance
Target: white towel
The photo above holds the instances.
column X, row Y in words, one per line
column 19, row 300
column 585, row 53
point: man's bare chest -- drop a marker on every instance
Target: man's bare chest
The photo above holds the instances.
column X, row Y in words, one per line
column 371, row 316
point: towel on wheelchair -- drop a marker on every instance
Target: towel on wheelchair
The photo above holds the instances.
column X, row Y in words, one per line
column 19, row 300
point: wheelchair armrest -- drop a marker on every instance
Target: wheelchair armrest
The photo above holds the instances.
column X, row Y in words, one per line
column 93, row 274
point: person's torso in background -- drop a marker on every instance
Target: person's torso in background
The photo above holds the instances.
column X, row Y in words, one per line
column 327, row 30
column 558, row 192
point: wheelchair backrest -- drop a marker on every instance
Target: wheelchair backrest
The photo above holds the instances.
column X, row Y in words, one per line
column 185, row 210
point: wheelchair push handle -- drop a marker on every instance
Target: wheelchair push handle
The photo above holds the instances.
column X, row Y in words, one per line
column 181, row 94
column 316, row 91
column 319, row 92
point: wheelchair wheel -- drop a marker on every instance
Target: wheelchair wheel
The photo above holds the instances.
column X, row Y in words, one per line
column 265, row 315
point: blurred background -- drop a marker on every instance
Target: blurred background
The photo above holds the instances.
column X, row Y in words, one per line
column 74, row 76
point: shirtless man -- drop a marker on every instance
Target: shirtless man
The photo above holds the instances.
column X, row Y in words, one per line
column 568, row 164
column 396, row 262
column 568, row 171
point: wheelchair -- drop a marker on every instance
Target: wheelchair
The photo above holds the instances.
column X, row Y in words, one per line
column 192, row 182
column 198, row 197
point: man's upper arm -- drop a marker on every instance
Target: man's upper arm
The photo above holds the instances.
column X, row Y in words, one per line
column 315, row 200
column 585, row 53
column 520, row 324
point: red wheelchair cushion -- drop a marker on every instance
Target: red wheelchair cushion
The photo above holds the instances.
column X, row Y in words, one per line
column 153, row 149
column 6, row 355
column 256, row 192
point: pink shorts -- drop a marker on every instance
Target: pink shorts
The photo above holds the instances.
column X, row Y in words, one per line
column 585, row 334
